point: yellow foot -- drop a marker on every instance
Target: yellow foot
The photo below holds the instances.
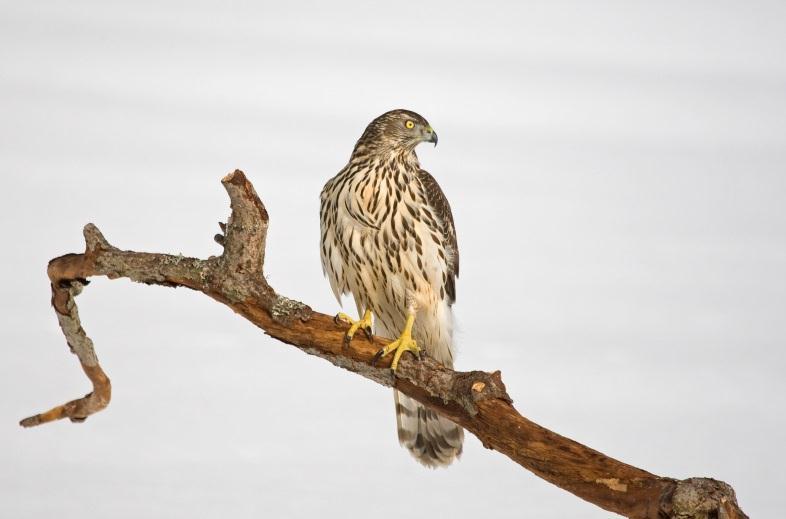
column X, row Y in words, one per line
column 363, row 324
column 404, row 343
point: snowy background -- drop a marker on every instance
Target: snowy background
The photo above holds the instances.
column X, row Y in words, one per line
column 617, row 172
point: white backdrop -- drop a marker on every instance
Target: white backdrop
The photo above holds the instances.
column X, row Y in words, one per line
column 616, row 172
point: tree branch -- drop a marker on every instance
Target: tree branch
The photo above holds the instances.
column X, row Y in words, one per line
column 476, row 400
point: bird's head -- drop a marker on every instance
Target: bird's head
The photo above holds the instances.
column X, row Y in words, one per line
column 398, row 129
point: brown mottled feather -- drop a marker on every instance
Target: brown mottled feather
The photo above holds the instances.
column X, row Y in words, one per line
column 439, row 203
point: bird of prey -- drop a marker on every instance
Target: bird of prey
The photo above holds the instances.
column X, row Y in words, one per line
column 388, row 239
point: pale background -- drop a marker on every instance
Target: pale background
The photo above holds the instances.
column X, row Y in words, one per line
column 617, row 172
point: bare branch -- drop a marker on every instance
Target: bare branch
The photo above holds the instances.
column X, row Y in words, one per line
column 476, row 400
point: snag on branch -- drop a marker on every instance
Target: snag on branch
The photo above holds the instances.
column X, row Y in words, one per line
column 476, row 400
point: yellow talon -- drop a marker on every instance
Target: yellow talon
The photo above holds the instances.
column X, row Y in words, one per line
column 363, row 324
column 404, row 343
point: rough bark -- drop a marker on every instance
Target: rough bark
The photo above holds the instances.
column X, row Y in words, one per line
column 475, row 400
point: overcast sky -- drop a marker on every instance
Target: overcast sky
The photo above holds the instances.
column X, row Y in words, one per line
column 617, row 172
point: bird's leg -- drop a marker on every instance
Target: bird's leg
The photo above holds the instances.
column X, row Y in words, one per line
column 363, row 324
column 405, row 342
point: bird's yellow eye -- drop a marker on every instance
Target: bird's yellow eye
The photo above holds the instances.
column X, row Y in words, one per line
column 409, row 124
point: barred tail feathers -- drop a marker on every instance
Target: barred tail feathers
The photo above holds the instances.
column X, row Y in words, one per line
column 434, row 441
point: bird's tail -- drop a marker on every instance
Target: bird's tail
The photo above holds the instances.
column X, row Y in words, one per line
column 433, row 440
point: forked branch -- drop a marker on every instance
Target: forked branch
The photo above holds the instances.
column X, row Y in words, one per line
column 476, row 400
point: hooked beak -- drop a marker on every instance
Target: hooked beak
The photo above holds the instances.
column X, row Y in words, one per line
column 432, row 135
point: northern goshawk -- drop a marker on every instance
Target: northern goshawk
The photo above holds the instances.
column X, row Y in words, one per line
column 388, row 239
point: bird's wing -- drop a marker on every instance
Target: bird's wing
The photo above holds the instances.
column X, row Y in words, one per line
column 439, row 204
column 332, row 262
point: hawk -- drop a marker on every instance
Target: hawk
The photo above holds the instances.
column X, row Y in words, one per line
column 388, row 239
